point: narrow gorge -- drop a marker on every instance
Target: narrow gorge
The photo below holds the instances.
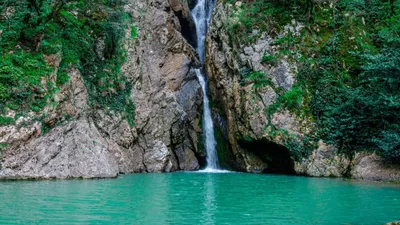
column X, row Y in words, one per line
column 182, row 85
column 201, row 15
column 200, row 112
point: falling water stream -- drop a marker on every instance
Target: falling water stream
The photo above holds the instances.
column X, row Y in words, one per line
column 199, row 198
column 201, row 15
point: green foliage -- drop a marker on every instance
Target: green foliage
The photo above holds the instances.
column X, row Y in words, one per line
column 269, row 59
column 260, row 15
column 259, row 79
column 295, row 100
column 134, row 33
column 355, row 96
column 72, row 29
column 265, row 16
column 6, row 120
column 298, row 148
column 348, row 56
column 389, row 145
column 62, row 78
column 20, row 78
column 292, row 99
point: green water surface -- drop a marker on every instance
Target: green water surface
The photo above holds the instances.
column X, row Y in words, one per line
column 198, row 198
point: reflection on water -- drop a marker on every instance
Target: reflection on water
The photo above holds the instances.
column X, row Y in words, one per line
column 209, row 201
column 199, row 198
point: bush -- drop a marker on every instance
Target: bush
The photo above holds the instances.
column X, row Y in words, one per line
column 349, row 61
column 73, row 29
column 259, row 79
column 6, row 121
column 269, row 59
column 388, row 144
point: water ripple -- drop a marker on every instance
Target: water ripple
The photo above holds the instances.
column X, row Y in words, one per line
column 198, row 198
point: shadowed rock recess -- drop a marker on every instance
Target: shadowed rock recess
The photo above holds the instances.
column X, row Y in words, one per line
column 99, row 142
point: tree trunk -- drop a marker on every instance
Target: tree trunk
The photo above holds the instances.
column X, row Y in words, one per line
column 38, row 41
column 309, row 9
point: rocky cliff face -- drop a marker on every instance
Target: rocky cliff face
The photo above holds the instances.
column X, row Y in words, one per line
column 258, row 131
column 166, row 92
column 241, row 104
column 73, row 138
column 96, row 142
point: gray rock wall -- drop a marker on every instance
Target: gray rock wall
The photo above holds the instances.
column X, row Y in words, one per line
column 239, row 102
column 97, row 142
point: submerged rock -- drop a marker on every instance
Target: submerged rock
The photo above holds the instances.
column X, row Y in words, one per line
column 393, row 223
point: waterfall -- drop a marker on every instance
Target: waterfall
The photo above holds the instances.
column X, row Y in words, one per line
column 208, row 127
column 201, row 15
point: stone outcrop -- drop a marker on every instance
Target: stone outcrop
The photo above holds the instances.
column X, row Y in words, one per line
column 393, row 223
column 72, row 150
column 166, row 93
column 240, row 103
column 74, row 139
column 325, row 161
column 369, row 166
column 255, row 136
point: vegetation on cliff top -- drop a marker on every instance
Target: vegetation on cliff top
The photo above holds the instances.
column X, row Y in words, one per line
column 86, row 35
column 349, row 60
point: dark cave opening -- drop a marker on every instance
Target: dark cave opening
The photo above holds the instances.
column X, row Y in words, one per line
column 188, row 28
column 192, row 4
column 276, row 156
